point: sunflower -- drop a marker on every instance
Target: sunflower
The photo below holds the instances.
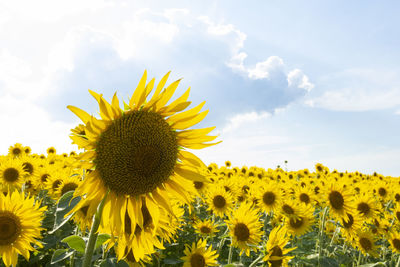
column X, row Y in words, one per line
column 199, row 256
column 70, row 183
column 16, row 150
column 12, row 174
column 269, row 195
column 339, row 199
column 365, row 241
column 138, row 154
column 245, row 228
column 291, row 209
column 394, row 241
column 219, row 201
column 304, row 194
column 205, row 228
column 84, row 216
column 351, row 226
column 19, row 226
column 365, row 205
column 54, row 178
column 27, row 150
column 275, row 250
column 51, row 151
column 301, row 225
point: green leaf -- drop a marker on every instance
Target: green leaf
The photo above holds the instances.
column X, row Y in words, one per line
column 112, row 262
column 75, row 242
column 60, row 254
column 65, row 204
column 101, row 238
column 172, row 261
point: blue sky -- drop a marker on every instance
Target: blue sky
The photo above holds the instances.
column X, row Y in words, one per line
column 306, row 82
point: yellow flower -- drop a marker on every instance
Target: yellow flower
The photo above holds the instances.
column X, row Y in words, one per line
column 219, row 201
column 365, row 241
column 340, row 200
column 205, row 228
column 394, row 241
column 20, row 226
column 16, row 151
column 276, row 252
column 245, row 228
column 199, row 256
column 301, row 225
column 12, row 174
column 138, row 154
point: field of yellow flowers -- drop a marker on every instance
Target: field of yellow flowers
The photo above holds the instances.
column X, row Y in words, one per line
column 137, row 196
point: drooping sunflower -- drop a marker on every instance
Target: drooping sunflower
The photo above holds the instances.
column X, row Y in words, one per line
column 198, row 255
column 245, row 228
column 275, row 250
column 12, row 174
column 137, row 152
column 19, row 226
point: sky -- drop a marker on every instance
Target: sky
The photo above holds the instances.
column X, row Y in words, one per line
column 303, row 82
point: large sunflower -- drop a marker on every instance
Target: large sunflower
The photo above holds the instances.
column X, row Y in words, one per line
column 19, row 226
column 137, row 153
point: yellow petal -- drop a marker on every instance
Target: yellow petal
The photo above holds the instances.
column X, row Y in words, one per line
column 191, row 158
column 195, row 132
column 169, row 92
column 189, row 173
column 159, row 87
column 189, row 122
column 83, row 115
column 183, row 116
column 139, row 91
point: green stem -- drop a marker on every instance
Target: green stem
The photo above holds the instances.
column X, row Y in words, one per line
column 398, row 261
column 359, row 258
column 254, row 263
column 321, row 234
column 230, row 253
column 337, row 230
column 93, row 234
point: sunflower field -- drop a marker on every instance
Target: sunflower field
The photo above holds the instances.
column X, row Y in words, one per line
column 137, row 195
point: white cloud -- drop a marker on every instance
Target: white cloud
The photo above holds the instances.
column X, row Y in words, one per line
column 236, row 121
column 263, row 69
column 27, row 123
column 359, row 90
column 296, row 78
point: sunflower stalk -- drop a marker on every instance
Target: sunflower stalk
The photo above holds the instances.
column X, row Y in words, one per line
column 230, row 253
column 398, row 261
column 321, row 234
column 93, row 233
column 254, row 263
